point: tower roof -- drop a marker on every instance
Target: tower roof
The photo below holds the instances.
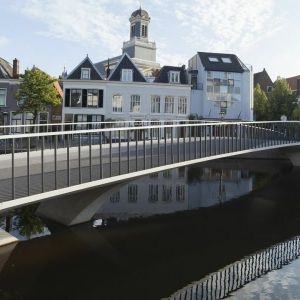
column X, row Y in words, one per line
column 140, row 13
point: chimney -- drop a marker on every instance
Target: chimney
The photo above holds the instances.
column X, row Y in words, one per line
column 16, row 69
column 108, row 69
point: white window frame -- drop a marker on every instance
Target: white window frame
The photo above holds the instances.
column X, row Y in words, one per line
column 85, row 73
column 153, row 193
column 180, row 193
column 226, row 60
column 169, row 104
column 213, row 59
column 5, row 97
column 182, row 105
column 91, row 98
column 132, row 193
column 174, row 77
column 127, row 75
column 79, row 92
column 135, row 103
column 117, row 103
column 155, row 104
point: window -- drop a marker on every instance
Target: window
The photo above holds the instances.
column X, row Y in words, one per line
column 117, row 103
column 85, row 73
column 76, row 98
column 115, row 198
column 194, row 81
column 226, row 60
column 180, row 193
column 2, row 97
column 213, row 59
column 92, row 98
column 153, row 193
column 132, row 193
column 174, row 77
column 127, row 74
column 16, row 120
column 230, row 82
column 135, row 104
column 155, row 104
column 182, row 105
column 144, row 31
column 167, row 193
column 269, row 90
column 223, row 86
column 169, row 105
column 133, row 30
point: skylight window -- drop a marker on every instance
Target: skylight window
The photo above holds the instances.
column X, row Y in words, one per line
column 226, row 60
column 213, row 59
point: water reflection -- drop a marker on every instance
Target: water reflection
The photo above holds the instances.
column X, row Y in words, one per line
column 231, row 278
column 171, row 191
column 24, row 223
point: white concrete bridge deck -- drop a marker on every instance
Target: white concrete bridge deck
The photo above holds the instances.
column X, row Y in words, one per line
column 40, row 166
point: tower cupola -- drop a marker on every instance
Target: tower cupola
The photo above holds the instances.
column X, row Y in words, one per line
column 139, row 23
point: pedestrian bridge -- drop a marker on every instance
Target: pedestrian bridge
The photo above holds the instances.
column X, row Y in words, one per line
column 42, row 165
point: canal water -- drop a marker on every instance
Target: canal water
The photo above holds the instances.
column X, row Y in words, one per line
column 229, row 228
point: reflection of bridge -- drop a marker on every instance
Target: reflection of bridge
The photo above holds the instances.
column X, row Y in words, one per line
column 220, row 284
column 40, row 166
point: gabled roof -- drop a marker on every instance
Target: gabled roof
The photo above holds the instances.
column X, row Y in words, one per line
column 163, row 76
column 126, row 63
column 86, row 63
column 6, row 70
column 263, row 79
column 234, row 66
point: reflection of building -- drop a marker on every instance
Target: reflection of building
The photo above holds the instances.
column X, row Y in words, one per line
column 171, row 191
column 218, row 186
column 159, row 193
column 221, row 86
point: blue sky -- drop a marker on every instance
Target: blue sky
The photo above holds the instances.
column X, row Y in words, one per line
column 54, row 33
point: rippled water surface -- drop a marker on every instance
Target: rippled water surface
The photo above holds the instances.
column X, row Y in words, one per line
column 224, row 229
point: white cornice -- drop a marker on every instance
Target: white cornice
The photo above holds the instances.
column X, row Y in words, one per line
column 125, row 83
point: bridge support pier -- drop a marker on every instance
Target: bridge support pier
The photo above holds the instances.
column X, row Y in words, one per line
column 68, row 211
column 293, row 154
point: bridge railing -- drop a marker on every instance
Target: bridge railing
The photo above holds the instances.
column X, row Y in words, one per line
column 68, row 126
column 36, row 163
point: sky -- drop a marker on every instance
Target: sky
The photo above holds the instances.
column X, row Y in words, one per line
column 51, row 34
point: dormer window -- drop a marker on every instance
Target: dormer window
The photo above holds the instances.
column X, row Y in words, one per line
column 85, row 73
column 127, row 74
column 226, row 60
column 213, row 59
column 174, row 77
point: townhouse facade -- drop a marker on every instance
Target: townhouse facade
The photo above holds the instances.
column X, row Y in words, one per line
column 10, row 82
column 129, row 87
column 222, row 87
column 125, row 94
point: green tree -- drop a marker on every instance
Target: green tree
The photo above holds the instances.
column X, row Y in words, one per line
column 261, row 104
column 37, row 93
column 28, row 223
column 296, row 113
column 282, row 100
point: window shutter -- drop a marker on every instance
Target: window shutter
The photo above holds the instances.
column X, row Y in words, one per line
column 100, row 99
column 67, row 98
column 84, row 98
